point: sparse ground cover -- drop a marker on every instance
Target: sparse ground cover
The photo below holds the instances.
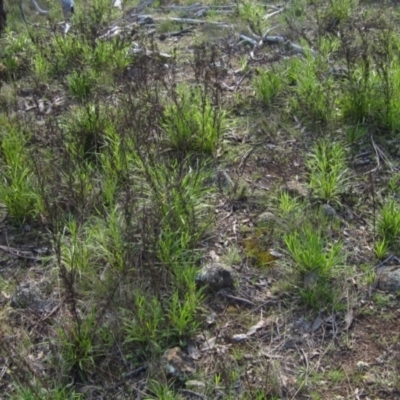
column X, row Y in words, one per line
column 150, row 142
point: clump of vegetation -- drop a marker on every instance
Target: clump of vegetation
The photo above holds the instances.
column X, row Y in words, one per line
column 316, row 265
column 389, row 222
column 329, row 175
column 18, row 191
column 137, row 150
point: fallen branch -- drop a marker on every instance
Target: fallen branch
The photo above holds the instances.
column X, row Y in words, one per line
column 277, row 40
column 198, row 6
column 380, row 155
column 27, row 254
column 288, row 44
column 267, row 16
column 139, row 50
column 235, row 298
column 194, row 22
column 163, row 36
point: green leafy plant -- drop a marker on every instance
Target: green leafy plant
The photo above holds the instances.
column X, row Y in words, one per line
column 356, row 133
column 308, row 250
column 341, row 9
column 253, row 14
column 16, row 52
column 320, row 294
column 183, row 316
column 268, row 84
column 75, row 250
column 394, row 184
column 17, row 186
column 381, row 249
column 358, row 100
column 41, row 67
column 389, row 222
column 328, row 172
column 81, row 84
column 192, row 123
column 313, row 92
column 315, row 261
column 159, row 390
column 288, row 205
column 336, row 376
column 78, row 350
column 146, row 327
column 53, row 394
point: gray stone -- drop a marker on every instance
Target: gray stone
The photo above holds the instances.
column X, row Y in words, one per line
column 215, row 276
column 26, row 296
column 389, row 279
column 177, row 364
column 295, row 189
column 310, row 279
column 34, row 295
column 195, row 384
column 266, row 218
column 328, row 210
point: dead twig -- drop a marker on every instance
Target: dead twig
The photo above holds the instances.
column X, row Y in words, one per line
column 167, row 35
column 192, row 21
column 380, row 155
column 246, row 157
column 267, row 16
column 20, row 253
column 239, row 299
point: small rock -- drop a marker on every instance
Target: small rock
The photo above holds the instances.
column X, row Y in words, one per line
column 177, row 364
column 34, row 295
column 239, row 337
column 389, row 279
column 362, row 365
column 310, row 279
column 369, row 378
column 266, row 218
column 275, row 254
column 215, row 276
column 211, row 318
column 195, row 384
column 26, row 296
column 328, row 210
column 295, row 189
column 193, row 353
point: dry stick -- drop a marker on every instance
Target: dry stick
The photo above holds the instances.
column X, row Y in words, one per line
column 19, row 253
column 53, row 311
column 167, row 35
column 248, row 40
column 194, row 22
column 239, row 299
column 240, row 81
column 278, row 40
column 267, row 16
column 348, row 381
column 305, row 380
column 380, row 154
column 287, row 43
column 260, row 43
column 197, row 6
column 149, row 53
column 243, row 162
